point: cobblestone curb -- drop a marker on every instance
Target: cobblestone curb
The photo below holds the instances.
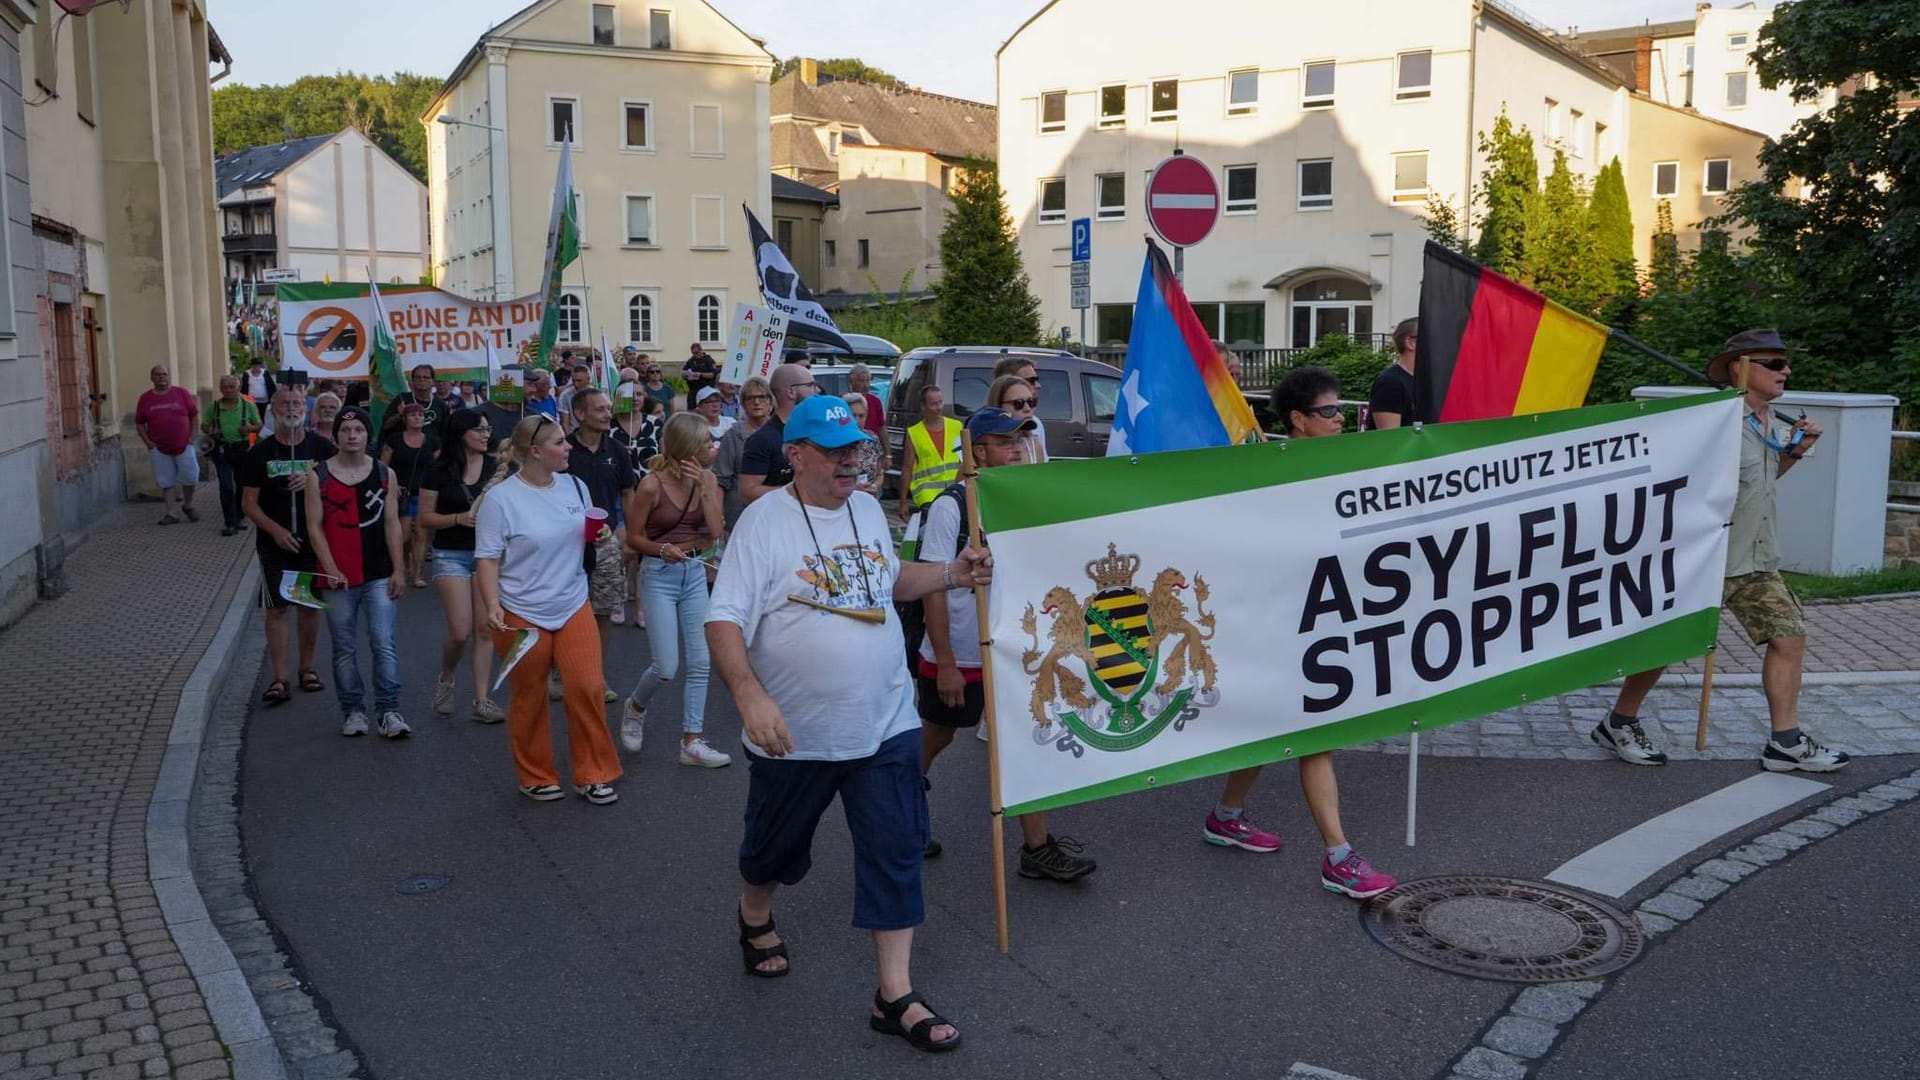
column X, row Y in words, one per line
column 310, row 1045
column 1519, row 1040
column 229, row 1000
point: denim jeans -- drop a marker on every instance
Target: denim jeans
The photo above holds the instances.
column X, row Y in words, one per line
column 675, row 600
column 343, row 620
column 230, row 462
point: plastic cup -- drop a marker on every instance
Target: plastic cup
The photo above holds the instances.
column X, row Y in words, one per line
column 596, row 523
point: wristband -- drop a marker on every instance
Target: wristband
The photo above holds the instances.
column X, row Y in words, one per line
column 1796, row 454
column 946, row 574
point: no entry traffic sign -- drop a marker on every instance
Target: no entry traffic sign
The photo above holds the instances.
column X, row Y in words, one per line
column 1183, row 201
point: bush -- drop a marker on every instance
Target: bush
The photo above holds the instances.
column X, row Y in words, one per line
column 1357, row 365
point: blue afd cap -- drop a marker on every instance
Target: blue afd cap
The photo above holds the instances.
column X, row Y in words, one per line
column 993, row 420
column 825, row 421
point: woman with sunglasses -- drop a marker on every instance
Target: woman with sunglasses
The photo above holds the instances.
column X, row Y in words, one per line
column 1308, row 402
column 1020, row 397
column 527, row 556
column 756, row 407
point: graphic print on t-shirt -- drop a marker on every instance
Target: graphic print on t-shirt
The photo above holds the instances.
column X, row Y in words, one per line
column 853, row 577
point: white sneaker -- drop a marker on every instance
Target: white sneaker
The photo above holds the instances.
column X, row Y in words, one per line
column 1806, row 756
column 597, row 794
column 980, row 732
column 633, row 727
column 392, row 725
column 356, row 724
column 699, row 753
column 443, row 698
column 1630, row 743
column 486, row 711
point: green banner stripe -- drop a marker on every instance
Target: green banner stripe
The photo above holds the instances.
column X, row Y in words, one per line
column 1671, row 642
column 1073, row 490
column 301, row 292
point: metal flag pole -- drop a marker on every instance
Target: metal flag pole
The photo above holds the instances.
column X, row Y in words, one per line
column 1413, row 782
column 976, row 542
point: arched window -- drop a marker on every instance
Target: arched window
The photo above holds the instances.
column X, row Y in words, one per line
column 707, row 319
column 570, row 319
column 1331, row 306
column 640, row 320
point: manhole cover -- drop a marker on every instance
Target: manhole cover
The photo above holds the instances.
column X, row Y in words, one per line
column 420, row 883
column 1503, row 928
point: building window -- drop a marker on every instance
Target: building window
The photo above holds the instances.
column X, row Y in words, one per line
column 1717, row 177
column 709, row 221
column 1316, row 184
column 1112, row 324
column 1552, row 124
column 1053, row 200
column 603, row 24
column 1112, row 190
column 640, row 220
column 1736, row 89
column 946, row 179
column 706, row 318
column 1326, row 306
column 636, row 128
column 783, row 236
column 865, row 254
column 1317, row 87
column 1415, row 77
column 1243, row 189
column 1165, row 101
column 831, row 257
column 708, row 126
column 1053, row 111
column 571, row 307
column 1243, row 92
column 1666, row 179
column 1244, row 323
column 1738, row 41
column 1410, row 177
column 660, row 28
column 1113, row 106
column 640, row 325
column 563, row 121
column 1574, row 124
column 82, row 32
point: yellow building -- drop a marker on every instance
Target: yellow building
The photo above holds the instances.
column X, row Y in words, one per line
column 666, row 108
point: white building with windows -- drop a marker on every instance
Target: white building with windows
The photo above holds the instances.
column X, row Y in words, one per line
column 327, row 207
column 1326, row 135
column 665, row 102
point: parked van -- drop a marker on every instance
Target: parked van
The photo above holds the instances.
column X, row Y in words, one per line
column 1077, row 396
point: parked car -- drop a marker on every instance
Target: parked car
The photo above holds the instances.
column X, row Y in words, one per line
column 1077, row 396
column 832, row 378
column 866, row 348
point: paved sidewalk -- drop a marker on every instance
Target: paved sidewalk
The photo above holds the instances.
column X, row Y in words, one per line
column 93, row 983
column 1857, row 635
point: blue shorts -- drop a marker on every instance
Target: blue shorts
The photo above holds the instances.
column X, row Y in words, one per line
column 412, row 507
column 886, row 808
column 452, row 563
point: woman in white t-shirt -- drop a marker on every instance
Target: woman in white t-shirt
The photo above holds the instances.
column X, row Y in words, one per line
column 528, row 559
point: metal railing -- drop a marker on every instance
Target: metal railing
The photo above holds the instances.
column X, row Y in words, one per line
column 1260, row 368
column 1904, row 508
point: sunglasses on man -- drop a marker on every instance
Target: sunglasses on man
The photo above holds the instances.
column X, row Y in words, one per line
column 1771, row 363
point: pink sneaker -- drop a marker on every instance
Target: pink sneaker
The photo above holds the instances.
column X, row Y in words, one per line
column 1241, row 833
column 1355, row 877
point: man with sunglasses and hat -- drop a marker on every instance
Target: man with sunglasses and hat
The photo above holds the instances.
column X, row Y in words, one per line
column 1754, row 590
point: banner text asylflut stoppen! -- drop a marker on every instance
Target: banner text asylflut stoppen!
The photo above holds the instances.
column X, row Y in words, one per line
column 1591, row 575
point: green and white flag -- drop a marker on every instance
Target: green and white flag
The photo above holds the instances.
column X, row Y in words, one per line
column 383, row 362
column 523, row 640
column 298, row 588
column 1185, row 614
column 563, row 247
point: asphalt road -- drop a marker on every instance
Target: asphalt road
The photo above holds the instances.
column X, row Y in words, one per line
column 586, row 941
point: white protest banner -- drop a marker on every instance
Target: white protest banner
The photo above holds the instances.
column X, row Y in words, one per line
column 1178, row 615
column 754, row 344
column 326, row 329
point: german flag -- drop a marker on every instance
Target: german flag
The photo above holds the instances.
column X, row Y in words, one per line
column 1488, row 347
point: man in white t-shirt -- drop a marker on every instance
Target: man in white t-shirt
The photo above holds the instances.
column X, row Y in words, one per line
column 948, row 668
column 803, row 631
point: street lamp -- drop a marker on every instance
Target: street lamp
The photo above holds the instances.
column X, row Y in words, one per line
column 493, row 231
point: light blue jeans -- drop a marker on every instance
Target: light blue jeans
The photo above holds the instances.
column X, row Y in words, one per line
column 675, row 600
column 343, row 624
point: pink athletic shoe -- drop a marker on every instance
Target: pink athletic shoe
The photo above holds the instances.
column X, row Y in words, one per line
column 1355, row 877
column 1241, row 832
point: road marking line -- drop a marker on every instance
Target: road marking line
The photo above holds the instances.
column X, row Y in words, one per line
column 1615, row 866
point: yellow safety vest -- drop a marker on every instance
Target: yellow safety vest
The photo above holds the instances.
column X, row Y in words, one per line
column 933, row 469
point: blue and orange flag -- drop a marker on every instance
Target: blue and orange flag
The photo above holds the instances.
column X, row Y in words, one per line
column 1491, row 347
column 1176, row 392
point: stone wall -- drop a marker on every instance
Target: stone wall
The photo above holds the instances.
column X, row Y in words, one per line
column 1903, row 530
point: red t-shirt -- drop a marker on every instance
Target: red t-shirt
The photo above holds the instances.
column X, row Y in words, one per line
column 876, row 421
column 354, row 519
column 170, row 418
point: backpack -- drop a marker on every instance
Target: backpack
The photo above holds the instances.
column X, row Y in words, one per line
column 913, row 613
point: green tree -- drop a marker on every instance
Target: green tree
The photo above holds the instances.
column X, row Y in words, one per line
column 984, row 296
column 386, row 109
column 1512, row 180
column 1560, row 254
column 1836, row 210
column 845, row 67
column 1611, row 219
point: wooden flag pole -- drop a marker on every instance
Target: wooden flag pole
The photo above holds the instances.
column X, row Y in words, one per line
column 1706, row 673
column 976, row 542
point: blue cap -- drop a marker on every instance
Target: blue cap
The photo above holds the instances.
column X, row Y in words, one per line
column 993, row 420
column 825, row 421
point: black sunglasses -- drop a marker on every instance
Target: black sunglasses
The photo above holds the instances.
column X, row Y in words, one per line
column 1772, row 363
column 1324, row 412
